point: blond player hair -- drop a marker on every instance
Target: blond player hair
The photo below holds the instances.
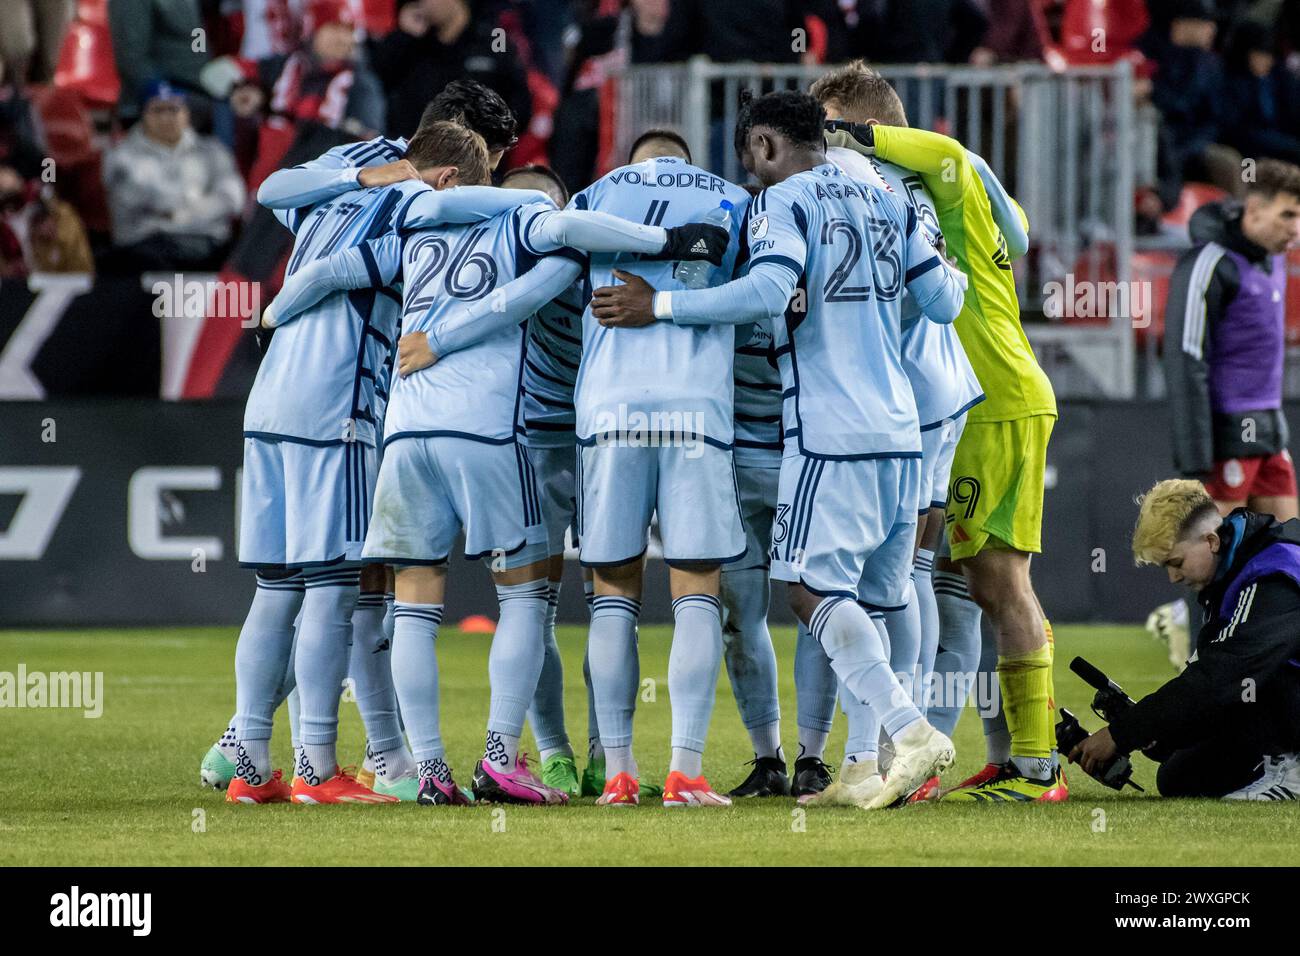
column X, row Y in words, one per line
column 1167, row 512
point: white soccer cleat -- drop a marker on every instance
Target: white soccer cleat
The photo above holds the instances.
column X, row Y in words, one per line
column 920, row 752
column 857, row 785
column 1168, row 624
column 1281, row 781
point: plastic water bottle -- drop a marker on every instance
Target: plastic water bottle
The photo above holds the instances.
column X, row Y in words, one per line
column 694, row 273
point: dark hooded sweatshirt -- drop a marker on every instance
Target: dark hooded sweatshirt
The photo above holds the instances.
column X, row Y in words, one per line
column 1224, row 345
column 1246, row 655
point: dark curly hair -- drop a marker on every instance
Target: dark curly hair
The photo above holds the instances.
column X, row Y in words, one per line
column 796, row 116
column 472, row 104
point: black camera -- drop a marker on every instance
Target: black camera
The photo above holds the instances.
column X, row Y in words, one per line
column 1109, row 701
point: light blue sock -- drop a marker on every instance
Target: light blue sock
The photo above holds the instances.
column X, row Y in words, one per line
column 370, row 667
column 288, row 695
column 958, row 654
column 321, row 664
column 514, row 664
column 904, row 630
column 546, row 715
column 750, row 658
column 857, row 653
column 595, row 749
column 863, row 740
column 415, row 676
column 922, row 578
column 615, row 667
column 815, row 687
column 261, row 656
column 997, row 738
column 693, row 665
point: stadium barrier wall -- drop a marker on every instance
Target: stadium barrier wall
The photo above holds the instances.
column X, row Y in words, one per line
column 123, row 512
column 1066, row 143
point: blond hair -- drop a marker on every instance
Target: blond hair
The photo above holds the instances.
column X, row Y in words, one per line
column 1166, row 513
column 445, row 143
column 861, row 94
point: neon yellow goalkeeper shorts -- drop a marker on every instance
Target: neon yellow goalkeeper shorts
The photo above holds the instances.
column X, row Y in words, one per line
column 995, row 492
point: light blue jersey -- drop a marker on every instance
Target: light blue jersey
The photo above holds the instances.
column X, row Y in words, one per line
column 853, row 248
column 661, row 378
column 551, row 364
column 471, row 392
column 943, row 382
column 332, row 173
column 322, row 381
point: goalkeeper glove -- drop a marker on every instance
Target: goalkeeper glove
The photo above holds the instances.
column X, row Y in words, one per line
column 695, row 240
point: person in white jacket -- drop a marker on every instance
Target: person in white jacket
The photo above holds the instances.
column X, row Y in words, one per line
column 173, row 195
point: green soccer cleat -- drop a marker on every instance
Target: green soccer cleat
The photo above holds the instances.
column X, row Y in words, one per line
column 593, row 777
column 560, row 772
column 405, row 789
column 217, row 770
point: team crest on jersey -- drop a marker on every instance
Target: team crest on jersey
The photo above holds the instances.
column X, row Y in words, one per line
column 758, row 227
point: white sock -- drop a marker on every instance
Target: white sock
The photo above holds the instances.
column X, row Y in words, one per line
column 619, row 760
column 501, row 751
column 690, row 763
column 253, row 761
column 812, row 743
column 393, row 765
column 595, row 749
column 767, row 740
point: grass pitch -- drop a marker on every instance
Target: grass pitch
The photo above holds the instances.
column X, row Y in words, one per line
column 123, row 789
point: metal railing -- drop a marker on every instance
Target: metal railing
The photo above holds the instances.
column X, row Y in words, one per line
column 1066, row 145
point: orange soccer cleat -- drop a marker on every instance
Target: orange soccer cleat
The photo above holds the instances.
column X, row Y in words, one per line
column 621, row 791
column 340, row 788
column 274, row 790
column 681, row 791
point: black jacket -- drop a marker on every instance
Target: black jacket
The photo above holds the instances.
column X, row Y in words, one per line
column 1246, row 660
column 1201, row 436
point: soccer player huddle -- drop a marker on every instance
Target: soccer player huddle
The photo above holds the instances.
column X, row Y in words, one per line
column 822, row 381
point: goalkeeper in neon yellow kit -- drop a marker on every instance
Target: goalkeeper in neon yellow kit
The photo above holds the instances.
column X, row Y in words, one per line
column 995, row 503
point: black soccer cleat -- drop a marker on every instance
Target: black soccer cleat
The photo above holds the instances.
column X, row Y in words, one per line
column 767, row 779
column 811, row 775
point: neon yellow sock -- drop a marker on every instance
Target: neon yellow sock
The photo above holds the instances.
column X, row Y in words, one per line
column 1025, row 680
column 1051, row 673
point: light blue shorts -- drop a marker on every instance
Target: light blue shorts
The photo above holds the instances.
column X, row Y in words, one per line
column 430, row 489
column 847, row 528
column 303, row 505
column 556, row 469
column 938, row 445
column 691, row 488
column 758, row 488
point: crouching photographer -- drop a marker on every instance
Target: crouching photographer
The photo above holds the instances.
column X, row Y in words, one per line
column 1237, row 705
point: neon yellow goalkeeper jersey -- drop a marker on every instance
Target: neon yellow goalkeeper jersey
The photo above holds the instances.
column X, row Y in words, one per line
column 989, row 324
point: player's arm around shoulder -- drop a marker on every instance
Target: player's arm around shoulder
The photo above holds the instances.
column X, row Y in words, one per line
column 941, row 161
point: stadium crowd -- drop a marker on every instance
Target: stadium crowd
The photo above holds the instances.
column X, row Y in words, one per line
column 161, row 117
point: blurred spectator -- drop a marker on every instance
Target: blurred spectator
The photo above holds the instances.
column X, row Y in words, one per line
column 31, row 33
column 604, row 39
column 1013, row 32
column 321, row 80
column 20, row 143
column 437, row 41
column 172, row 193
column 38, row 231
column 732, row 31
column 1263, row 97
column 271, row 28
column 1190, row 92
column 156, row 40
